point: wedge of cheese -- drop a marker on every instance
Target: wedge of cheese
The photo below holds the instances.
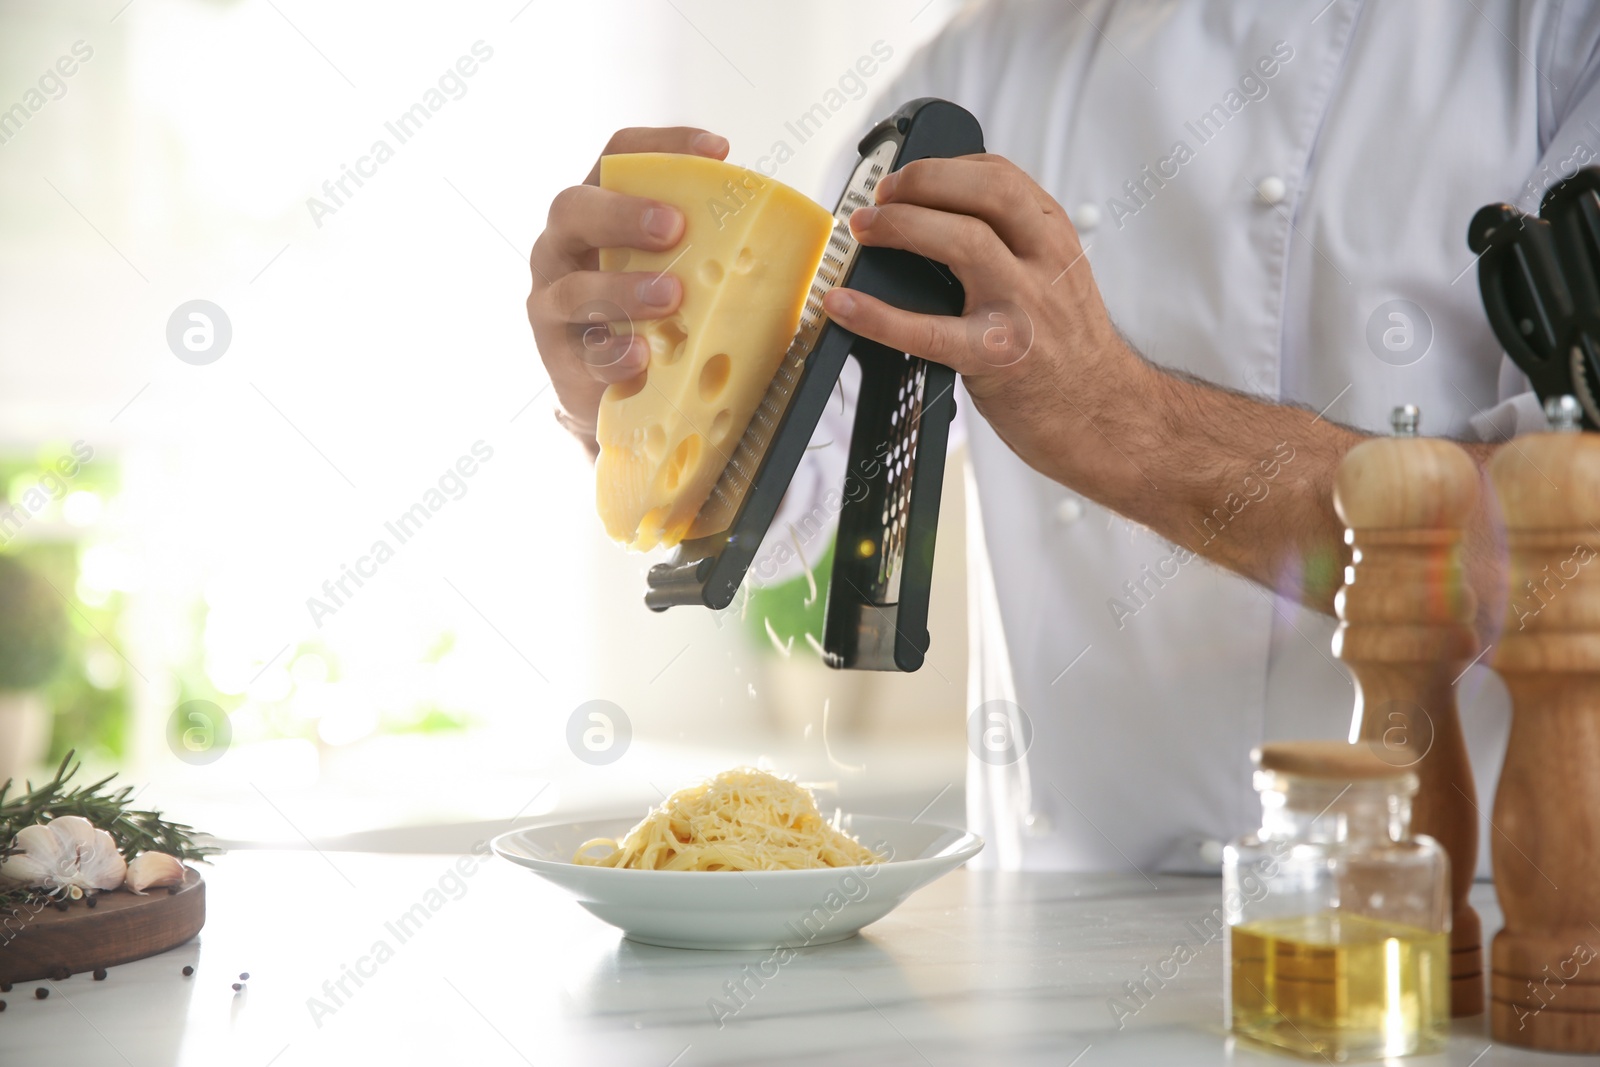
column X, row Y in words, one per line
column 749, row 252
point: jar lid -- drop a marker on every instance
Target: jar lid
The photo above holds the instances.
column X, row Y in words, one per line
column 1337, row 760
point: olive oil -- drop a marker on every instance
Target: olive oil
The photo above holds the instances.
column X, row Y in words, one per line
column 1339, row 986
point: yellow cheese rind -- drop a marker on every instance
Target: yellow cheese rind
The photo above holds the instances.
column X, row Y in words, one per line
column 749, row 252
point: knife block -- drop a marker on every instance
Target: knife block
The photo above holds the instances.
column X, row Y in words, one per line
column 1406, row 634
column 1545, row 963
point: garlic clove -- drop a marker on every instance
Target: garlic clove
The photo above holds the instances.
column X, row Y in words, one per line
column 150, row 869
column 102, row 867
column 23, row 868
column 45, row 859
column 76, row 832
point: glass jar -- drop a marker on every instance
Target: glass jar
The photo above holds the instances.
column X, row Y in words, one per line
column 1338, row 920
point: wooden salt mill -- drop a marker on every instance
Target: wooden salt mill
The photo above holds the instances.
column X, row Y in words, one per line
column 1545, row 973
column 1406, row 633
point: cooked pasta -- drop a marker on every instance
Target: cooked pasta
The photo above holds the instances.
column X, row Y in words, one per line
column 741, row 820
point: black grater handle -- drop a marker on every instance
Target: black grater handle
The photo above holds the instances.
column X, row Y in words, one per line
column 878, row 594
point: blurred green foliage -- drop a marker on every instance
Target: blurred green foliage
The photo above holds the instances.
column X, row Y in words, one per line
column 33, row 627
column 89, row 693
column 86, row 686
column 790, row 609
column 63, row 638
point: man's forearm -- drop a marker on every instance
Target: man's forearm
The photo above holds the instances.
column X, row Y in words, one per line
column 1245, row 483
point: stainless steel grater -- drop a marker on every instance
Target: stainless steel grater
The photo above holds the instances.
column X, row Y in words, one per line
column 877, row 608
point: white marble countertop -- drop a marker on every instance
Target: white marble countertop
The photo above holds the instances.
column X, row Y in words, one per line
column 978, row 968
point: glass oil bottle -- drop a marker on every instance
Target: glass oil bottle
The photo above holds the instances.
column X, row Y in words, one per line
column 1338, row 918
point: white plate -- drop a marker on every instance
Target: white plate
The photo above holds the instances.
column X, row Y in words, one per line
column 754, row 909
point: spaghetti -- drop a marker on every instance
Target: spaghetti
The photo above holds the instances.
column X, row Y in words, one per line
column 741, row 820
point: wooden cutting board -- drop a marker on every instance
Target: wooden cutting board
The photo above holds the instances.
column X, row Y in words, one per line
column 121, row 927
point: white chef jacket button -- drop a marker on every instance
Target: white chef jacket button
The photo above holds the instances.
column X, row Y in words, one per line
column 1211, row 853
column 1069, row 511
column 1037, row 824
column 1086, row 218
column 1272, row 190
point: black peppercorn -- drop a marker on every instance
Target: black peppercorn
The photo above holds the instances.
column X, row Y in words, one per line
column 187, row 971
column 41, row 993
column 5, row 987
column 99, row 974
column 62, row 974
column 244, row 976
column 92, row 900
column 237, row 987
column 2, row 1005
column 61, row 905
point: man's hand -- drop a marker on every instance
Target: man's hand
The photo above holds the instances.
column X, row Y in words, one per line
column 1048, row 370
column 573, row 300
column 1034, row 341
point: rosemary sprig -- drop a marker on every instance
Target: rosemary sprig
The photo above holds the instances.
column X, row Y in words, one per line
column 14, row 897
column 134, row 830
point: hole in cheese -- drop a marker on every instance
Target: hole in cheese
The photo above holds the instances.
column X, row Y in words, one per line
column 747, row 258
column 655, row 441
column 714, row 378
column 683, row 458
column 667, row 338
column 630, row 388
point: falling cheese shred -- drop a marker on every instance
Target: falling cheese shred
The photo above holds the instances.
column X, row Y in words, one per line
column 741, row 820
column 746, row 260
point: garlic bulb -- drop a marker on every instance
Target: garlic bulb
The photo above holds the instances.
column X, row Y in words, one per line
column 152, row 869
column 65, row 853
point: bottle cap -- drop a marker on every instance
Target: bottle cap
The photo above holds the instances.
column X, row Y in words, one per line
column 1405, row 420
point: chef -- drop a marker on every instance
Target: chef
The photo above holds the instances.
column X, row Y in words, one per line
column 1214, row 244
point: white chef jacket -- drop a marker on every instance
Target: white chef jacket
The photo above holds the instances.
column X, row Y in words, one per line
column 1264, row 261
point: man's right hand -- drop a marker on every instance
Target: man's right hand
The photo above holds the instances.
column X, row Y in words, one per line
column 573, row 300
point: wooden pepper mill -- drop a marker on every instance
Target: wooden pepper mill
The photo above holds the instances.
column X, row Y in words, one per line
column 1406, row 633
column 1545, row 974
